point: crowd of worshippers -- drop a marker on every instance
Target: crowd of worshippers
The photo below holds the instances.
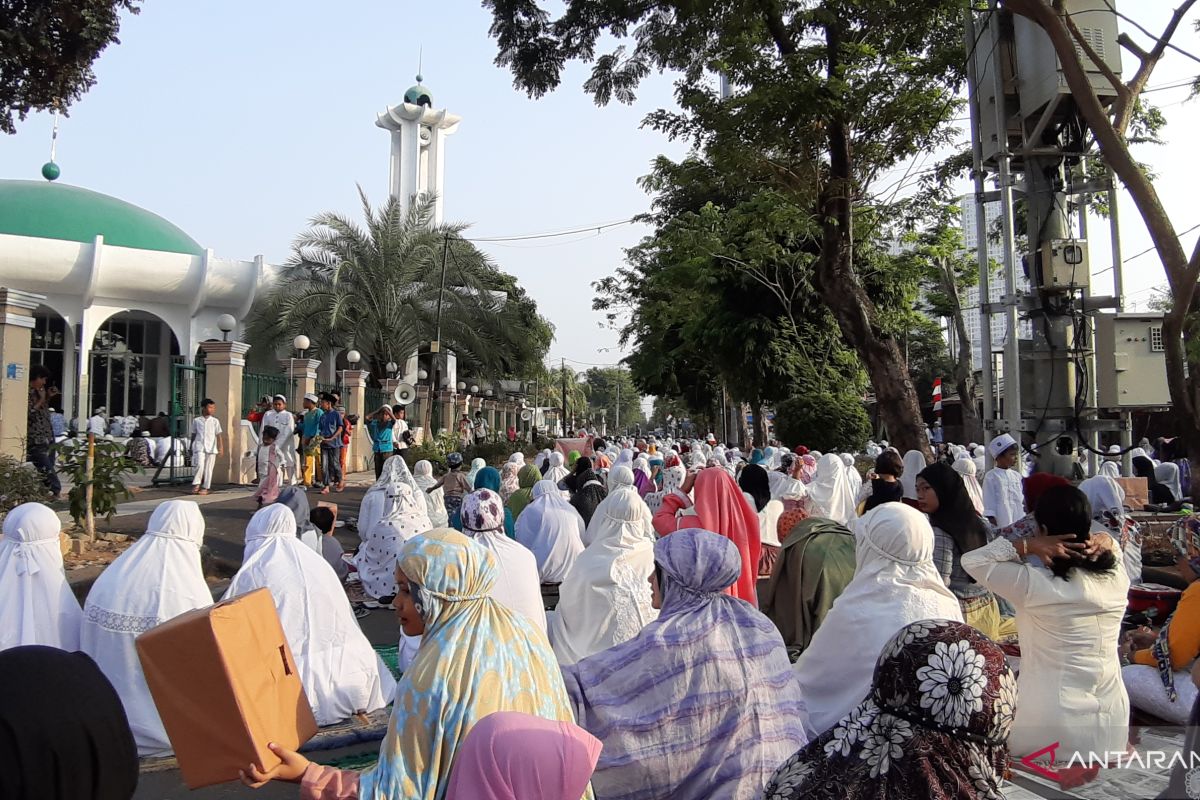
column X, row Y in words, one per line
column 661, row 619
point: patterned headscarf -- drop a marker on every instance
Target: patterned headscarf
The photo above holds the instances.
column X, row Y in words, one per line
column 476, row 657
column 935, row 725
column 788, row 520
column 482, row 510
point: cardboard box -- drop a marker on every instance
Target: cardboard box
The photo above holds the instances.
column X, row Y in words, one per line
column 1137, row 492
column 225, row 684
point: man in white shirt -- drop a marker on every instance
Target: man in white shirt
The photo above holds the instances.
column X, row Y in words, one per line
column 97, row 424
column 1003, row 501
column 399, row 428
column 206, row 446
column 481, row 428
column 284, row 421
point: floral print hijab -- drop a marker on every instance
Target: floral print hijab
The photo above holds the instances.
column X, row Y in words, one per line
column 934, row 727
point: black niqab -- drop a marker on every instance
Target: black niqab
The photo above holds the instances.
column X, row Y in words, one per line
column 63, row 731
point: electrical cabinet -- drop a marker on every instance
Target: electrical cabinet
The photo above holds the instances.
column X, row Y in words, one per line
column 992, row 50
column 1131, row 370
column 1039, row 72
column 1064, row 265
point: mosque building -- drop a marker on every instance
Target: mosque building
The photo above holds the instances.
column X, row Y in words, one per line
column 124, row 294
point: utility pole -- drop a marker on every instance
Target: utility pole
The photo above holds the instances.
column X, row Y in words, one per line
column 618, row 415
column 563, row 367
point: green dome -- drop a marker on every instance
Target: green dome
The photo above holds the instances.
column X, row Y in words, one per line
column 72, row 214
column 419, row 95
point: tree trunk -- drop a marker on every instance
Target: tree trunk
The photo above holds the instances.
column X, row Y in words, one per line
column 964, row 377
column 760, row 425
column 839, row 287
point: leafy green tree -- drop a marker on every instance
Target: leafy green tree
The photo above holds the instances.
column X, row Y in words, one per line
column 47, row 48
column 376, row 287
column 829, row 96
column 603, row 401
column 946, row 269
column 823, row 418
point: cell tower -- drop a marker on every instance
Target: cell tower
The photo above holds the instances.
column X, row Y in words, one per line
column 1031, row 141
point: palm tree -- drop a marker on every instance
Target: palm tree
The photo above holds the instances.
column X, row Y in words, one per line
column 377, row 287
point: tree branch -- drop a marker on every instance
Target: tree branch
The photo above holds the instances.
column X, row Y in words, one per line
column 1113, row 78
column 776, row 27
column 1123, row 109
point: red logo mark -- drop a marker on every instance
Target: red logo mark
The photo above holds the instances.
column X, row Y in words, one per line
column 1045, row 772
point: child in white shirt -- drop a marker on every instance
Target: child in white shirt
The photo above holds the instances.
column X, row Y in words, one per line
column 1003, row 500
column 206, row 446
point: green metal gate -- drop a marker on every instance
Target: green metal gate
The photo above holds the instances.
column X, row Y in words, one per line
column 187, row 392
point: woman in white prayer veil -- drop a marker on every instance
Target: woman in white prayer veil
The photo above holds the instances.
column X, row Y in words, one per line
column 979, row 456
column 895, row 583
column 370, row 511
column 555, row 472
column 605, row 598
column 37, row 605
column 156, row 579
column 552, row 528
column 830, row 493
column 340, row 671
column 965, row 465
column 404, row 515
column 625, row 459
column 435, row 501
column 914, row 462
column 852, row 474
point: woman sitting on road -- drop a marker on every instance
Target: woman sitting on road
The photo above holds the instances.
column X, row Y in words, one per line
column 476, row 657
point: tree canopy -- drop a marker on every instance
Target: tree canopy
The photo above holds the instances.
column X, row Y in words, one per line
column 47, row 48
column 827, row 97
column 376, row 286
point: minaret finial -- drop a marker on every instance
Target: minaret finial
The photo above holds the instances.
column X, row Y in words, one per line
column 420, row 61
column 50, row 170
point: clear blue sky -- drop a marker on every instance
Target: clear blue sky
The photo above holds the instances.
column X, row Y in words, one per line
column 240, row 120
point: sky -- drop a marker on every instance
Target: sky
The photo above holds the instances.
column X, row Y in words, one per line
column 240, row 121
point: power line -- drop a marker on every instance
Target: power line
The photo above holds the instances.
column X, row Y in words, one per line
column 1147, row 251
column 555, row 234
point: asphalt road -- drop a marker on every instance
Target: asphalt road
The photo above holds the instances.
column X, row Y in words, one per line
column 225, row 524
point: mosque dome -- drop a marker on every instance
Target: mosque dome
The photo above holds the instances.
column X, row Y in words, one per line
column 72, row 214
column 419, row 95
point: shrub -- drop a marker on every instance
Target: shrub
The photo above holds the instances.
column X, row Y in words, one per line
column 19, row 483
column 109, row 469
column 823, row 420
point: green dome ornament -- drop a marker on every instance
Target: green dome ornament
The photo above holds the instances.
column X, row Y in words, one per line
column 419, row 95
column 51, row 171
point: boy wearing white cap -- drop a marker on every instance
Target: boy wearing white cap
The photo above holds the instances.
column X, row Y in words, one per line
column 1003, row 501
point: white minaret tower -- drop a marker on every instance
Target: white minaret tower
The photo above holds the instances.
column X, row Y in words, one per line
column 418, row 146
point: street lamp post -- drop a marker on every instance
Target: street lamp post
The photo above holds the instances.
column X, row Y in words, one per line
column 301, row 344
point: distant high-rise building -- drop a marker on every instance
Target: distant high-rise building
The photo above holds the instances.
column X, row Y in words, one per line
column 970, row 298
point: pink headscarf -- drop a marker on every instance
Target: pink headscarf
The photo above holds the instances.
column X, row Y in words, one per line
column 722, row 508
column 513, row 756
column 808, row 468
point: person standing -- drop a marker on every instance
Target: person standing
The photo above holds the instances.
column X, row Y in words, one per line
column 40, row 435
column 382, row 427
column 400, row 434
column 206, row 446
column 309, row 430
column 465, row 432
column 1003, row 500
column 480, row 429
column 284, row 423
column 330, row 431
